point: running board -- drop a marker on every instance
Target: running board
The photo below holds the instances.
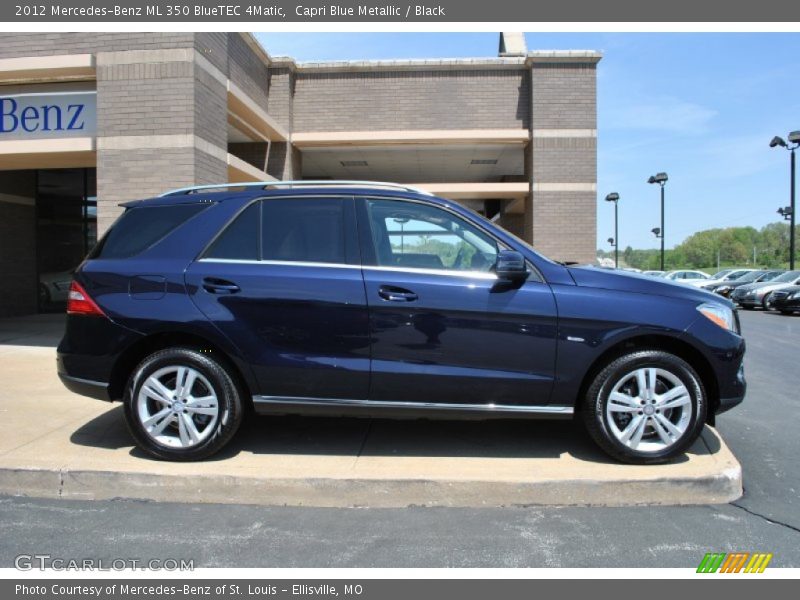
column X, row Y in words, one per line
column 281, row 404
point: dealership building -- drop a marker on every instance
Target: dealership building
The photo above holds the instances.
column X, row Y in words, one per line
column 90, row 120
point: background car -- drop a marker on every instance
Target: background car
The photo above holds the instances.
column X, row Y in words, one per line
column 721, row 277
column 725, row 289
column 786, row 300
column 753, row 295
column 686, row 276
column 54, row 288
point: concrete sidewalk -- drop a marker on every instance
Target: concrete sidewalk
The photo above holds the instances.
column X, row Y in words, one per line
column 56, row 444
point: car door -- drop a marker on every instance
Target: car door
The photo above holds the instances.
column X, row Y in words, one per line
column 283, row 282
column 444, row 329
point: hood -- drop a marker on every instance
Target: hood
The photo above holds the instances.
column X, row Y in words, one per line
column 764, row 285
column 625, row 281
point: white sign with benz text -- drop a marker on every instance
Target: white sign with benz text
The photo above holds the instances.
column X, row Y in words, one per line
column 48, row 115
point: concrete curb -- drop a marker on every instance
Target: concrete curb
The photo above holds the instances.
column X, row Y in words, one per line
column 104, row 485
column 722, row 486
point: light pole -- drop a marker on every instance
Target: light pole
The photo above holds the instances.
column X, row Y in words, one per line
column 789, row 211
column 614, row 197
column 661, row 180
column 657, row 232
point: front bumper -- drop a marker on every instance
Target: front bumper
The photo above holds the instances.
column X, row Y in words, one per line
column 786, row 304
column 752, row 301
column 724, row 352
column 733, row 395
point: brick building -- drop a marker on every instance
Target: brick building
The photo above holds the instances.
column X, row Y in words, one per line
column 91, row 120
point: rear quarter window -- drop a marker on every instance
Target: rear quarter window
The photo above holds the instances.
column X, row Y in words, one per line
column 143, row 226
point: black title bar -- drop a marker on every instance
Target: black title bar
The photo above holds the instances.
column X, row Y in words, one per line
column 281, row 11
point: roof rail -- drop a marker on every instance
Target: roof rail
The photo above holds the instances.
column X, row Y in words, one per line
column 297, row 183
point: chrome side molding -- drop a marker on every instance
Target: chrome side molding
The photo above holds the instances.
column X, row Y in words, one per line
column 276, row 401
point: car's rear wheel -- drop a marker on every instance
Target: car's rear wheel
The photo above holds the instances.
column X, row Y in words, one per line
column 645, row 407
column 182, row 404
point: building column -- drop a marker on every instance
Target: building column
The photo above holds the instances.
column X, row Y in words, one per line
column 161, row 123
column 561, row 159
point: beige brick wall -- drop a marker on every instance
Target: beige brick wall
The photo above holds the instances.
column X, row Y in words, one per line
column 411, row 100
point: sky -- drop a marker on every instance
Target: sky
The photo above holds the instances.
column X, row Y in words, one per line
column 701, row 107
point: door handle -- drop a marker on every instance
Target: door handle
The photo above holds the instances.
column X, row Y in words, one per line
column 220, row 286
column 396, row 294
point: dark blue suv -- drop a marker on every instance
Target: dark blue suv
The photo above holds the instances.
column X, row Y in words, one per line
column 362, row 298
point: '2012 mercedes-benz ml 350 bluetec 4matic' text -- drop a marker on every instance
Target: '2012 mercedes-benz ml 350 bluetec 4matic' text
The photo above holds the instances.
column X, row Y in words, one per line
column 360, row 298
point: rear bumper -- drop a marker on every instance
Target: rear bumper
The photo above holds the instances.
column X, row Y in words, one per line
column 86, row 387
column 88, row 353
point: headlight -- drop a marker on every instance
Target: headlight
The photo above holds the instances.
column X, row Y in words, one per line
column 719, row 315
column 722, row 288
column 795, row 296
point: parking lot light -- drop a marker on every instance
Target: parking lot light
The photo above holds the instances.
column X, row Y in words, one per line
column 788, row 212
column 661, row 180
column 614, row 197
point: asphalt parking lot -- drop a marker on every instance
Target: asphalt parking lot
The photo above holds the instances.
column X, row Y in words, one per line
column 762, row 434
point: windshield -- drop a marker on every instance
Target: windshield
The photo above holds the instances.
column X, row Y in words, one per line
column 751, row 276
column 787, row 277
column 735, row 275
column 771, row 275
column 721, row 274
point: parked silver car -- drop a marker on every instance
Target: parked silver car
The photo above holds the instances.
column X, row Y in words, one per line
column 758, row 294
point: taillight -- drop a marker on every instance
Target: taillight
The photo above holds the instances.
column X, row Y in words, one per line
column 80, row 303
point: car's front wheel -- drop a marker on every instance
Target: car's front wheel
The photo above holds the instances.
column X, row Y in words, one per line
column 766, row 303
column 645, row 407
column 182, row 404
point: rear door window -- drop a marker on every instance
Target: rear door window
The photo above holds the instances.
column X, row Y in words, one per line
column 141, row 227
column 239, row 241
column 303, row 230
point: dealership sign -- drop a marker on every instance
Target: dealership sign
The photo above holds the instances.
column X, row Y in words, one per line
column 48, row 115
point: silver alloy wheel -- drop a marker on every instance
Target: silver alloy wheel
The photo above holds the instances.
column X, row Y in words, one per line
column 649, row 409
column 177, row 407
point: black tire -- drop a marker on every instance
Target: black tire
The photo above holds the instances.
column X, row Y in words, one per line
column 223, row 384
column 596, row 400
column 748, row 307
column 765, row 302
column 787, row 312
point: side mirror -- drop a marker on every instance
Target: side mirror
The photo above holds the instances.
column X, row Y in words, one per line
column 511, row 266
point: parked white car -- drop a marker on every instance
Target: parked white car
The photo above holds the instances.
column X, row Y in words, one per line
column 696, row 278
column 721, row 277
